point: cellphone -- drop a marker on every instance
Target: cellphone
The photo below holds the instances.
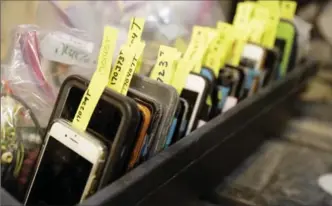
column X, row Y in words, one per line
column 271, row 66
column 175, row 122
column 68, row 168
column 253, row 56
column 115, row 121
column 286, row 43
column 182, row 123
column 142, row 132
column 168, row 99
column 207, row 112
column 195, row 92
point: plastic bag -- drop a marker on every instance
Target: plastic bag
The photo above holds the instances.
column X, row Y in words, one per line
column 21, row 141
column 165, row 20
column 40, row 62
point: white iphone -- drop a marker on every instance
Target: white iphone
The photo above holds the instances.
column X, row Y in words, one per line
column 193, row 92
column 68, row 168
column 253, row 56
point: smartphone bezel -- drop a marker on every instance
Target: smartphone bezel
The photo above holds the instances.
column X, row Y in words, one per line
column 77, row 142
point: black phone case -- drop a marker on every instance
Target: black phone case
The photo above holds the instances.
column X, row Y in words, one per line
column 123, row 142
column 207, row 112
column 182, row 121
column 271, row 66
column 168, row 98
column 157, row 113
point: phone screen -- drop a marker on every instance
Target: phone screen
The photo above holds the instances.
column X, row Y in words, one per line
column 61, row 176
column 105, row 119
column 191, row 98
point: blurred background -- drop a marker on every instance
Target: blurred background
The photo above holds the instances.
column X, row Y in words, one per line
column 284, row 171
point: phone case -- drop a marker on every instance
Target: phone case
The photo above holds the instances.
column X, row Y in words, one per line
column 168, row 98
column 146, row 115
column 287, row 32
column 175, row 122
column 271, row 66
column 212, row 92
column 201, row 111
column 124, row 137
column 157, row 113
column 181, row 126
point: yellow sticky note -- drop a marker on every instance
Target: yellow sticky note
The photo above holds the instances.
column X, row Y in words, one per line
column 135, row 34
column 164, row 68
column 180, row 76
column 288, row 9
column 98, row 81
column 180, row 44
column 120, row 68
column 241, row 37
column 244, row 12
column 135, row 30
column 257, row 29
column 138, row 48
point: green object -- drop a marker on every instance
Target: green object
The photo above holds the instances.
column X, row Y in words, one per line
column 286, row 31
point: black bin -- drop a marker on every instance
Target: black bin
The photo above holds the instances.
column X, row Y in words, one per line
column 195, row 165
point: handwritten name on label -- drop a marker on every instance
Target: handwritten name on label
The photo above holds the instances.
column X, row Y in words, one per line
column 98, row 81
column 84, row 102
column 55, row 49
column 74, row 41
column 135, row 30
column 139, row 48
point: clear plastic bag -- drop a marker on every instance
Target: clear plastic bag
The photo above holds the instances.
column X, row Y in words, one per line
column 165, row 20
column 21, row 140
column 40, row 62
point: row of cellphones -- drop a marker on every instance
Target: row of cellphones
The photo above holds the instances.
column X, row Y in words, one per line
column 125, row 131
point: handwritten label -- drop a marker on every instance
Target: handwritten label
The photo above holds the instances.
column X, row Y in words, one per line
column 219, row 48
column 256, row 31
column 180, row 75
column 138, row 50
column 98, row 81
column 135, row 34
column 244, row 11
column 271, row 22
column 164, row 67
column 121, row 68
column 63, row 50
column 288, row 9
column 241, row 36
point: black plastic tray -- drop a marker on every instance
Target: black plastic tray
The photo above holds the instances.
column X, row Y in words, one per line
column 195, row 165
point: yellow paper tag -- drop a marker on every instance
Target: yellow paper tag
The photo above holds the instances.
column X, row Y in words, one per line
column 180, row 76
column 138, row 48
column 164, row 68
column 135, row 34
column 120, row 68
column 219, row 48
column 244, row 11
column 180, row 44
column 288, row 9
column 241, row 35
column 135, row 30
column 98, row 81
column 256, row 31
column 208, row 35
column 270, row 4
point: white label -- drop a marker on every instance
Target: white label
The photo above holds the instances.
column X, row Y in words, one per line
column 67, row 49
column 229, row 103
